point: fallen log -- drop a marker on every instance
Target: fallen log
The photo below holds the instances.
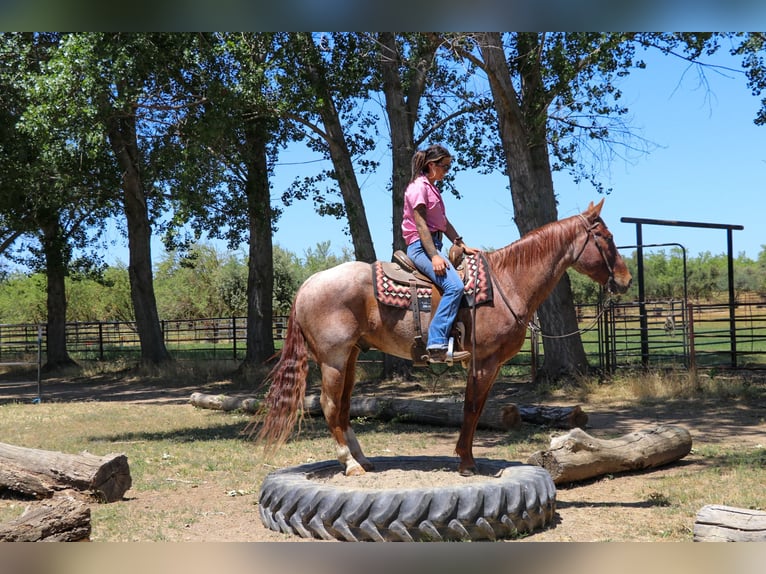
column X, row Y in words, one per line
column 22, row 483
column 106, row 478
column 556, row 417
column 224, row 403
column 61, row 519
column 442, row 413
column 438, row 413
column 715, row 523
column 578, row 456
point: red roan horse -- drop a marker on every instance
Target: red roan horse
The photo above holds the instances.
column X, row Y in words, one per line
column 335, row 314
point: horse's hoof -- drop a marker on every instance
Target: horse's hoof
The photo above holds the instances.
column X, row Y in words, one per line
column 355, row 470
column 469, row 471
column 367, row 465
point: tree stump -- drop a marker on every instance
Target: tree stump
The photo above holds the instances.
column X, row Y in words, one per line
column 36, row 472
column 62, row 519
column 438, row 412
column 715, row 523
column 578, row 456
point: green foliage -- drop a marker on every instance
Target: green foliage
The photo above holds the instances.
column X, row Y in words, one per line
column 706, row 277
column 22, row 299
column 197, row 283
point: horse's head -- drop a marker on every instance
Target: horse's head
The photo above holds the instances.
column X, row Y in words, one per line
column 598, row 258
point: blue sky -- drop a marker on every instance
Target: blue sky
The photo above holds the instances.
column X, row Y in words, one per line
column 708, row 164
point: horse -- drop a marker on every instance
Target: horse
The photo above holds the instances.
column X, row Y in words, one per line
column 335, row 315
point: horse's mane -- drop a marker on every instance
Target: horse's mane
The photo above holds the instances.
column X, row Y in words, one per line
column 527, row 251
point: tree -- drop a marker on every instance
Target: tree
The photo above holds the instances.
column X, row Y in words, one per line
column 235, row 141
column 125, row 95
column 557, row 98
column 52, row 190
column 329, row 83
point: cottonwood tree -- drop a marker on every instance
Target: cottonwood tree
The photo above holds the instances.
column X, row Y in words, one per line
column 325, row 82
column 126, row 93
column 557, row 98
column 52, row 190
column 234, row 142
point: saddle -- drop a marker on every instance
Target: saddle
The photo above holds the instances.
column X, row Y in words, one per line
column 399, row 284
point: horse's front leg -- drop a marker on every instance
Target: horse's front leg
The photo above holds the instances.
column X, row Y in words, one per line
column 476, row 393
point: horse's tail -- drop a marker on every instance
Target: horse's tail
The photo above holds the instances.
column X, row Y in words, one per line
column 283, row 404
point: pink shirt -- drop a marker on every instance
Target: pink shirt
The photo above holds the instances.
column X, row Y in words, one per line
column 421, row 192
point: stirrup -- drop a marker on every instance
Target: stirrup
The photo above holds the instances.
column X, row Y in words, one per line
column 448, row 355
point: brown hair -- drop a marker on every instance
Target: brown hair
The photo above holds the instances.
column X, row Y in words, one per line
column 422, row 158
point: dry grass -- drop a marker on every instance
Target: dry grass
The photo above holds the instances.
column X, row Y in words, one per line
column 196, row 477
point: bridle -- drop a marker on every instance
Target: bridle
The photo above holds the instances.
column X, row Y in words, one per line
column 589, row 227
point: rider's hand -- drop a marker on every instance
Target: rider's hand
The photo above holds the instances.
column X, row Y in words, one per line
column 439, row 264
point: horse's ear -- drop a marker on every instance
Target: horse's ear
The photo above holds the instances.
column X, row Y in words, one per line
column 595, row 210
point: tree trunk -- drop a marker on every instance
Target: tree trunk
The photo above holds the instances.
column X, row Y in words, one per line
column 260, row 267
column 522, row 133
column 61, row 520
column 716, row 523
column 55, row 273
column 340, row 155
column 122, row 138
column 106, row 478
column 578, row 456
column 401, row 111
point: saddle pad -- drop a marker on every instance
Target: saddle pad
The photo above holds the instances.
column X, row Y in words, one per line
column 396, row 292
column 477, row 280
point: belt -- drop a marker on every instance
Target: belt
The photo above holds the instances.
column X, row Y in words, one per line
column 437, row 235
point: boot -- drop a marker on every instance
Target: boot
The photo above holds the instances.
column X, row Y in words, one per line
column 443, row 356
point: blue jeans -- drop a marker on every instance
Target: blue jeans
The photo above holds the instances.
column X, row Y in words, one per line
column 452, row 292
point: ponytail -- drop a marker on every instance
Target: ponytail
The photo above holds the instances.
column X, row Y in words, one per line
column 422, row 158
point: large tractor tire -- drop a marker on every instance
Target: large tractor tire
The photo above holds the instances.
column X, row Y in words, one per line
column 512, row 500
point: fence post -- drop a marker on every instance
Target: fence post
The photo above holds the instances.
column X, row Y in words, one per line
column 534, row 351
column 692, row 354
column 101, row 340
column 39, row 360
column 234, row 336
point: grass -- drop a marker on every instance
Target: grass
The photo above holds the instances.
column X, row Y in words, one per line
column 188, row 464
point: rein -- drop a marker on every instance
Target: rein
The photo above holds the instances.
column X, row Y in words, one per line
column 536, row 328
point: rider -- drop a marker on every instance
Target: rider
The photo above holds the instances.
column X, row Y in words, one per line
column 424, row 225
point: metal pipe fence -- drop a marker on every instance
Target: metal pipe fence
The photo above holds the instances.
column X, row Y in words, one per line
column 663, row 334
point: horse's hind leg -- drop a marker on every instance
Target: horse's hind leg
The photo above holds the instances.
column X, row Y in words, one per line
column 336, row 405
column 345, row 415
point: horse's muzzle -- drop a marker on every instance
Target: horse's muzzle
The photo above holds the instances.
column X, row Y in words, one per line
column 621, row 286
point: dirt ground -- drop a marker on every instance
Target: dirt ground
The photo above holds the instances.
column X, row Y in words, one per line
column 611, row 508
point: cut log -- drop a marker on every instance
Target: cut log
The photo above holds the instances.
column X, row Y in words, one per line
column 442, row 413
column 578, row 456
column 715, row 523
column 19, row 482
column 62, row 519
column 438, row 413
column 106, row 478
column 224, row 403
column 556, row 417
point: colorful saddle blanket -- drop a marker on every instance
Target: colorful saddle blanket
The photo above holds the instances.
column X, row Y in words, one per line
column 393, row 285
